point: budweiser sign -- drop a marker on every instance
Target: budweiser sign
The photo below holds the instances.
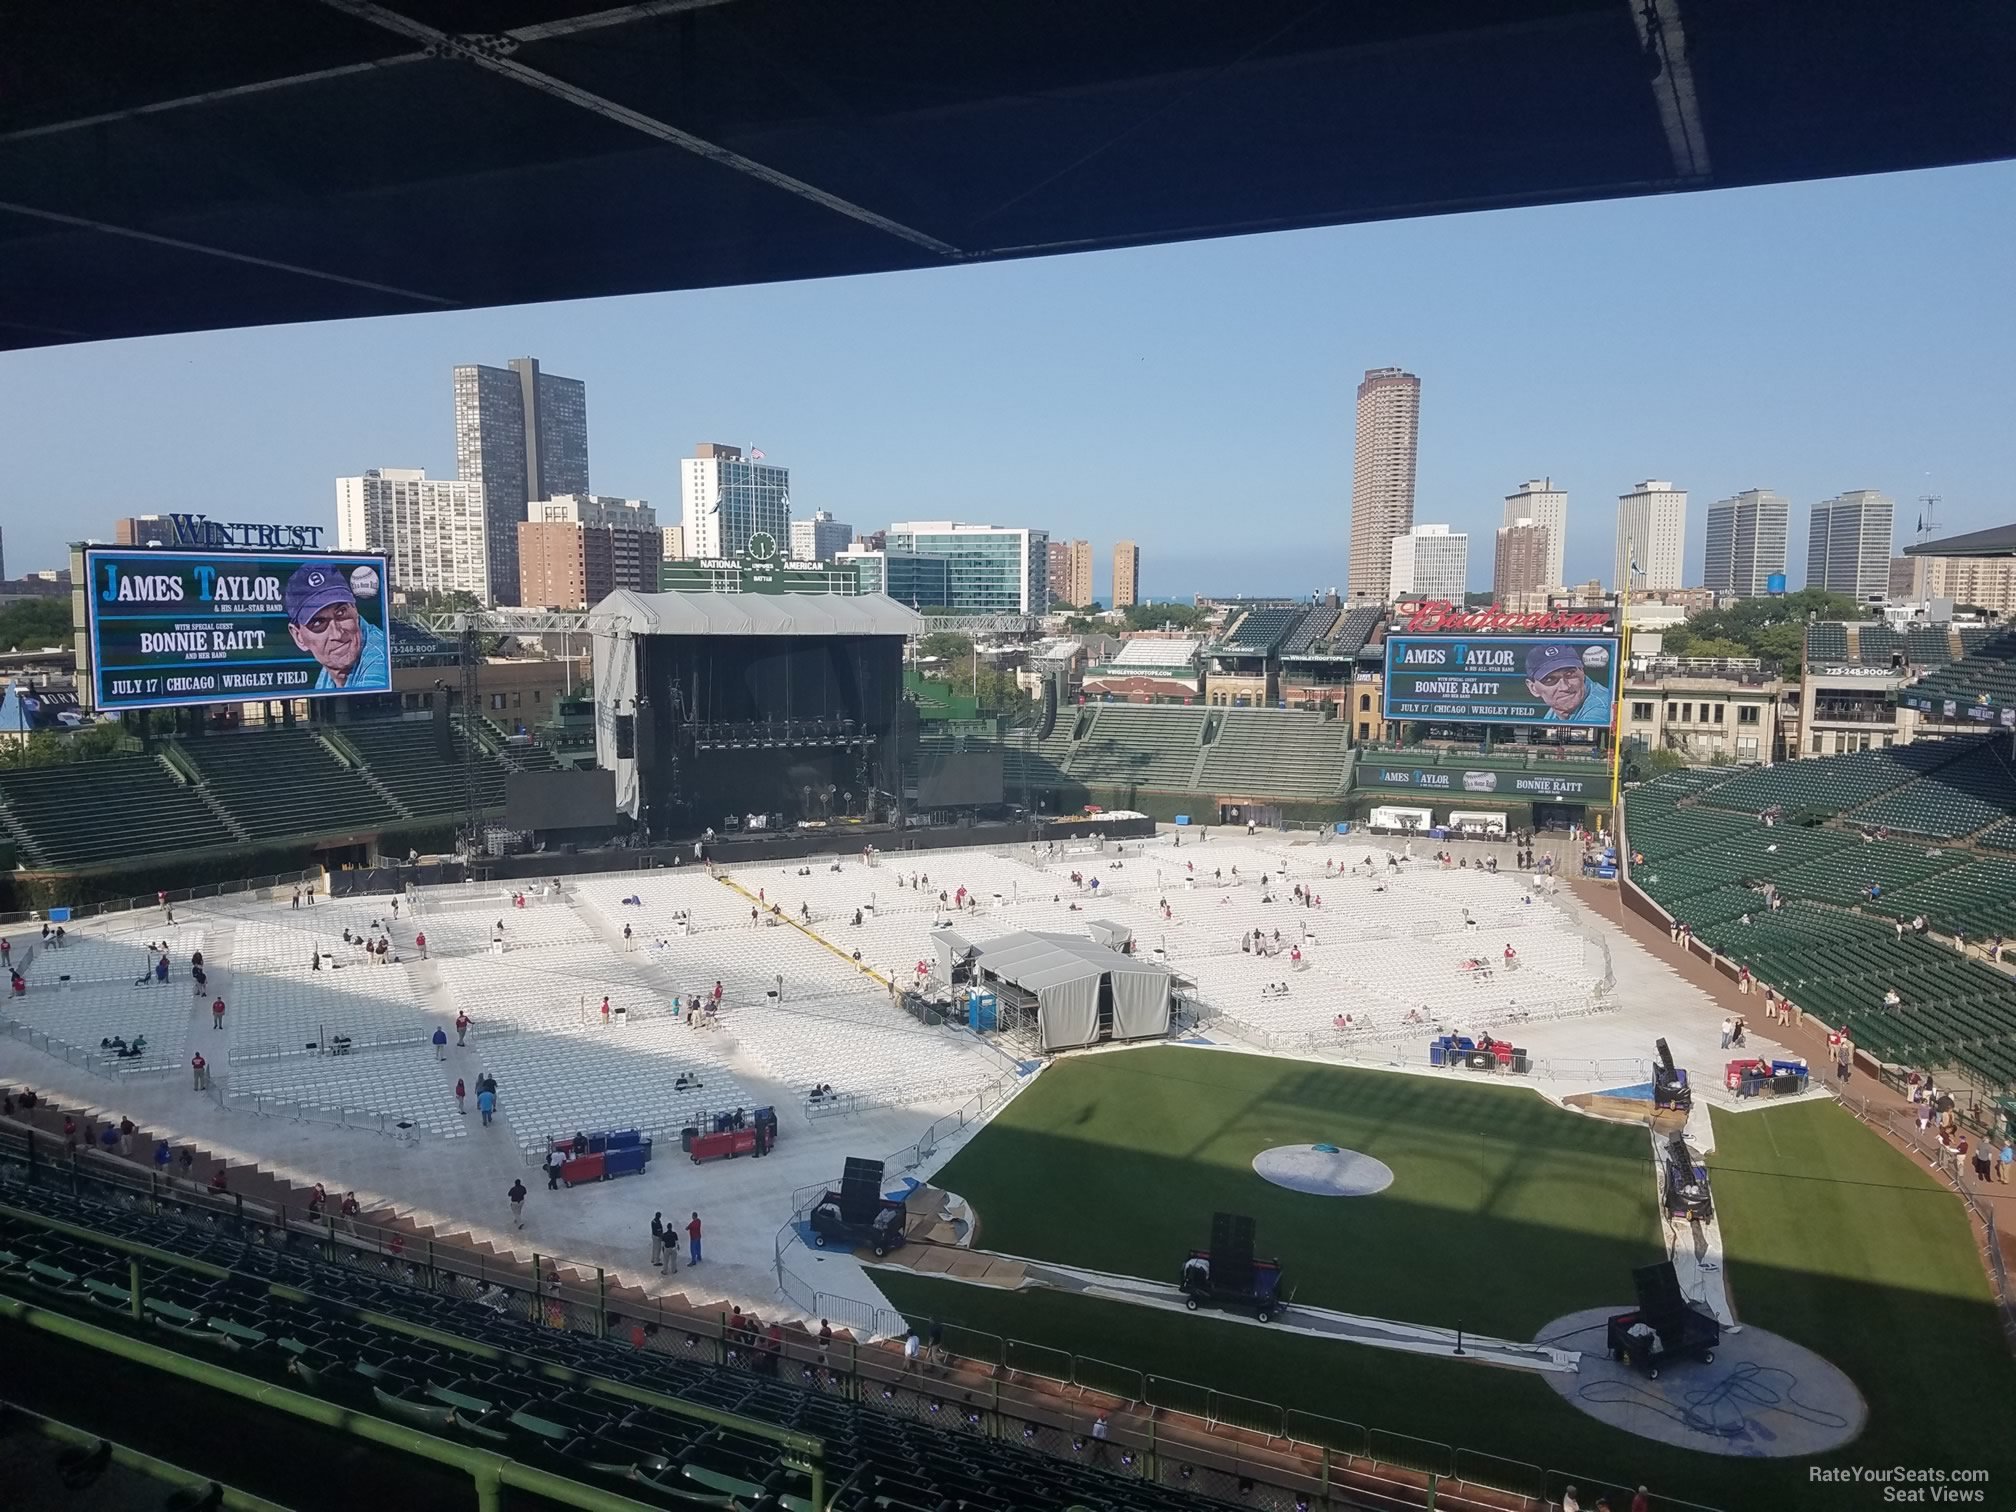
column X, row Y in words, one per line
column 1425, row 618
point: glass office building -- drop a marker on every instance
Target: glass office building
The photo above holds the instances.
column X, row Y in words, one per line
column 990, row 569
column 916, row 582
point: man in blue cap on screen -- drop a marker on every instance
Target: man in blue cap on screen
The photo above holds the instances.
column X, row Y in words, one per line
column 1556, row 676
column 323, row 619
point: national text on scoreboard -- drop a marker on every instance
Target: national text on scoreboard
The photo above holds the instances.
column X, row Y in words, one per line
column 1567, row 679
column 174, row 628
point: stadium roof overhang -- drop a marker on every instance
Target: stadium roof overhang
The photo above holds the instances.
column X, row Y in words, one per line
column 191, row 164
column 2000, row 541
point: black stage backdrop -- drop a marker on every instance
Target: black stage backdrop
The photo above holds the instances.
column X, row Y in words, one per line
column 798, row 692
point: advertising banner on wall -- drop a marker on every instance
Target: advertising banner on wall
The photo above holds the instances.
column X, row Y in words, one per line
column 169, row 628
column 1458, row 782
column 1511, row 679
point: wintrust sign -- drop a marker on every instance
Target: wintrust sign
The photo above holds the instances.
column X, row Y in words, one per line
column 1434, row 614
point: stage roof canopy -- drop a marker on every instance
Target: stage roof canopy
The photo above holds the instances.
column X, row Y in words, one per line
column 1996, row 541
column 177, row 165
column 753, row 614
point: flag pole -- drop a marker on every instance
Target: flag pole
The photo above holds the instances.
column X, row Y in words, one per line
column 1617, row 716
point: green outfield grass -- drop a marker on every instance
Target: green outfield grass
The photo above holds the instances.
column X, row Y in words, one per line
column 1834, row 1238
column 1505, row 1211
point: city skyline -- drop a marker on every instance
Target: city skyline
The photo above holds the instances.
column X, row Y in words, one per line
column 1084, row 352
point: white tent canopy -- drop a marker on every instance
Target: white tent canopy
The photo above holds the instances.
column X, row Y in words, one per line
column 1068, row 977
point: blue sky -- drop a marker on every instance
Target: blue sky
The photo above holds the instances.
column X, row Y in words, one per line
column 1809, row 338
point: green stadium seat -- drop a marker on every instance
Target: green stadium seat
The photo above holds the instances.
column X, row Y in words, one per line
column 277, row 783
column 95, row 813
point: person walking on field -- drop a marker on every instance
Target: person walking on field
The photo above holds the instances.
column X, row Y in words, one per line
column 440, row 1044
column 460, row 1093
column 486, row 1104
column 693, row 1241
column 420, row 944
column 461, row 1030
column 517, row 1196
column 658, row 1240
column 202, row 1069
column 217, row 1014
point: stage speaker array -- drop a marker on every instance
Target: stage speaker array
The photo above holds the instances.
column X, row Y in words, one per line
column 1048, row 726
column 860, row 1190
column 444, row 733
column 626, row 737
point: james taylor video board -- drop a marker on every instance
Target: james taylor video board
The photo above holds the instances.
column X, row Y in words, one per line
column 1513, row 679
column 169, row 628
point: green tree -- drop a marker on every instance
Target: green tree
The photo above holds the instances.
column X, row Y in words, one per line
column 1659, row 760
column 1155, row 616
column 945, row 645
column 31, row 624
column 56, row 747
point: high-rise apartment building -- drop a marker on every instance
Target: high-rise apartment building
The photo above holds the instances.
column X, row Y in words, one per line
column 1651, row 536
column 1547, row 506
column 1382, row 476
column 562, row 565
column 634, row 546
column 152, row 530
column 1126, row 574
column 992, row 569
column 819, row 539
column 1082, row 591
column 520, row 435
column 1519, row 566
column 434, row 530
column 1746, row 542
column 1982, row 582
column 672, row 542
column 726, row 498
column 1848, row 545
column 1059, row 576
column 1429, row 562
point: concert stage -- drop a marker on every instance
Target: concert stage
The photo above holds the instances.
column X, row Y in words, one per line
column 713, row 708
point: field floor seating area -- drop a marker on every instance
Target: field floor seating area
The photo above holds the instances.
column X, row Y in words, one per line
column 1881, row 838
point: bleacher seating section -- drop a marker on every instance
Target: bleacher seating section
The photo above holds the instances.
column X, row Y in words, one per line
column 1987, row 671
column 498, row 1373
column 1826, row 643
column 89, row 813
column 1835, row 945
column 1356, row 629
column 1275, row 753
column 1259, row 631
column 253, row 787
column 278, row 783
column 1873, row 645
column 1174, row 748
column 401, row 756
